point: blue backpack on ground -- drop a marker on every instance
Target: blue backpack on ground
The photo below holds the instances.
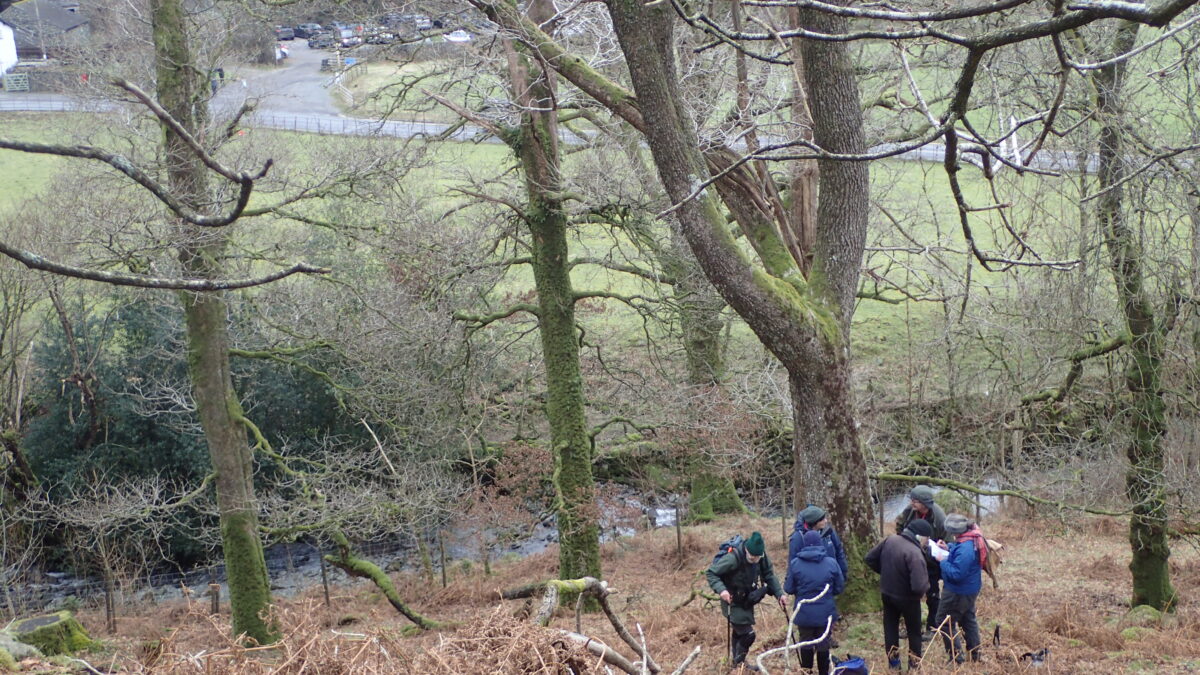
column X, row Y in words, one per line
column 731, row 545
column 851, row 665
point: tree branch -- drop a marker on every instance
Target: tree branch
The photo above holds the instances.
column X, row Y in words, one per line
column 1077, row 359
column 122, row 164
column 37, row 262
column 481, row 320
column 1027, row 498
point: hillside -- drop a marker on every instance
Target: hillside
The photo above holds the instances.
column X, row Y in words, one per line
column 1063, row 586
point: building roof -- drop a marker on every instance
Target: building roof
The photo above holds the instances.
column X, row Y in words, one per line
column 51, row 16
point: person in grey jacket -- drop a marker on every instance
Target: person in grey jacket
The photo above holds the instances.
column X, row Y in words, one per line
column 922, row 507
column 903, row 579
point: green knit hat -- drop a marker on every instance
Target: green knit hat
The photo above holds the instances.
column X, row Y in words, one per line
column 754, row 545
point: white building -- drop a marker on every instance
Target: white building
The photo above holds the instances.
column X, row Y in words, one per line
column 8, row 48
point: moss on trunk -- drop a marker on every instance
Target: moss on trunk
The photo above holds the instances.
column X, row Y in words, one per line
column 206, row 318
column 536, row 145
column 365, row 569
column 712, row 495
column 1144, row 481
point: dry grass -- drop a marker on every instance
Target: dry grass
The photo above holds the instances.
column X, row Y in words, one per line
column 1065, row 588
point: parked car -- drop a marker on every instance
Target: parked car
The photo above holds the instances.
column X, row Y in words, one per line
column 307, row 30
column 346, row 37
column 457, row 36
column 321, row 41
column 284, row 33
column 380, row 37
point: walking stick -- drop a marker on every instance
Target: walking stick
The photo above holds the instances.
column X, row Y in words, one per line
column 787, row 640
column 729, row 639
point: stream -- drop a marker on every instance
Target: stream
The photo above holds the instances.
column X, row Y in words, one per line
column 296, row 567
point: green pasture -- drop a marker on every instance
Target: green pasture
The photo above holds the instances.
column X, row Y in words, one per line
column 914, row 195
column 23, row 175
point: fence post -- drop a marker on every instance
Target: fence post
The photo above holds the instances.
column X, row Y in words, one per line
column 678, row 535
column 324, row 575
column 442, row 555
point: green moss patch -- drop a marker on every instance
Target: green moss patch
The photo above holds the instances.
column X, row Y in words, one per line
column 57, row 633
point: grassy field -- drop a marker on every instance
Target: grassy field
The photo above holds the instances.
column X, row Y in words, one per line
column 915, row 195
column 25, row 175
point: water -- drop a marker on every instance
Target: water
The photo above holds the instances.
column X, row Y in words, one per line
column 989, row 505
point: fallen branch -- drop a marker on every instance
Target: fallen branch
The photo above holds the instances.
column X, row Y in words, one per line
column 358, row 567
column 798, row 645
column 586, row 585
column 687, row 662
column 606, row 653
column 792, row 619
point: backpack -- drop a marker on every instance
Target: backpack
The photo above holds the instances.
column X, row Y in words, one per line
column 851, row 665
column 730, row 545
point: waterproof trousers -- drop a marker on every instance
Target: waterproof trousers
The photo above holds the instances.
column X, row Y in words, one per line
column 956, row 620
column 743, row 638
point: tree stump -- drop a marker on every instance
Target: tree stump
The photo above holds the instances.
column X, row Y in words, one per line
column 57, row 633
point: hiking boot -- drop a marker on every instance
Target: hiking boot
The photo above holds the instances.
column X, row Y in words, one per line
column 927, row 635
column 894, row 664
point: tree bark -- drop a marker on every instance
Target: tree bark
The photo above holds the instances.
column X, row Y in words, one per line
column 804, row 322
column 536, row 145
column 1144, row 480
column 206, row 318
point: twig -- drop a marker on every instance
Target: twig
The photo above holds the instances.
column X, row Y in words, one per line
column 798, row 645
column 687, row 662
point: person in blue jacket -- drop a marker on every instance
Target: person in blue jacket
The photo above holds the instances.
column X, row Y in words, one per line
column 814, row 518
column 961, row 582
column 808, row 573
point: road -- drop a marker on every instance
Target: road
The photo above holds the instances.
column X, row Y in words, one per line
column 296, row 97
column 295, row 87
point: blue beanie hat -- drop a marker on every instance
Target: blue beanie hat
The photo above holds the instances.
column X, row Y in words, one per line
column 812, row 538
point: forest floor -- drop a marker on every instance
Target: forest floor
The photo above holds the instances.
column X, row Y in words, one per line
column 1063, row 586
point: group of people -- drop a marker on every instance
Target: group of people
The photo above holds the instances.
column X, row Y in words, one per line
column 933, row 556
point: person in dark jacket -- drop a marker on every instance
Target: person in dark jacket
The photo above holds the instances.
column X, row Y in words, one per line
column 922, row 507
column 814, row 518
column 742, row 578
column 962, row 572
column 809, row 572
column 903, row 579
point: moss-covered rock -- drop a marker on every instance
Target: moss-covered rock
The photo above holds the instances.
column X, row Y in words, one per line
column 17, row 649
column 1143, row 615
column 7, row 663
column 57, row 633
column 1136, row 633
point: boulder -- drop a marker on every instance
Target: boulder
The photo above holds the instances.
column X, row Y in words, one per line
column 1143, row 615
column 17, row 649
column 57, row 633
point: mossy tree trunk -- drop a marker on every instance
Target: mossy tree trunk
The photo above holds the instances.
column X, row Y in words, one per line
column 711, row 490
column 801, row 316
column 797, row 303
column 206, row 320
column 1144, row 480
column 536, row 146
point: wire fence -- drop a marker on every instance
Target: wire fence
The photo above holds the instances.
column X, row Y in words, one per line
column 281, row 559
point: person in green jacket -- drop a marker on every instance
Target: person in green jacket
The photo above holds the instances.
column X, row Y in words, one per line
column 742, row 577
